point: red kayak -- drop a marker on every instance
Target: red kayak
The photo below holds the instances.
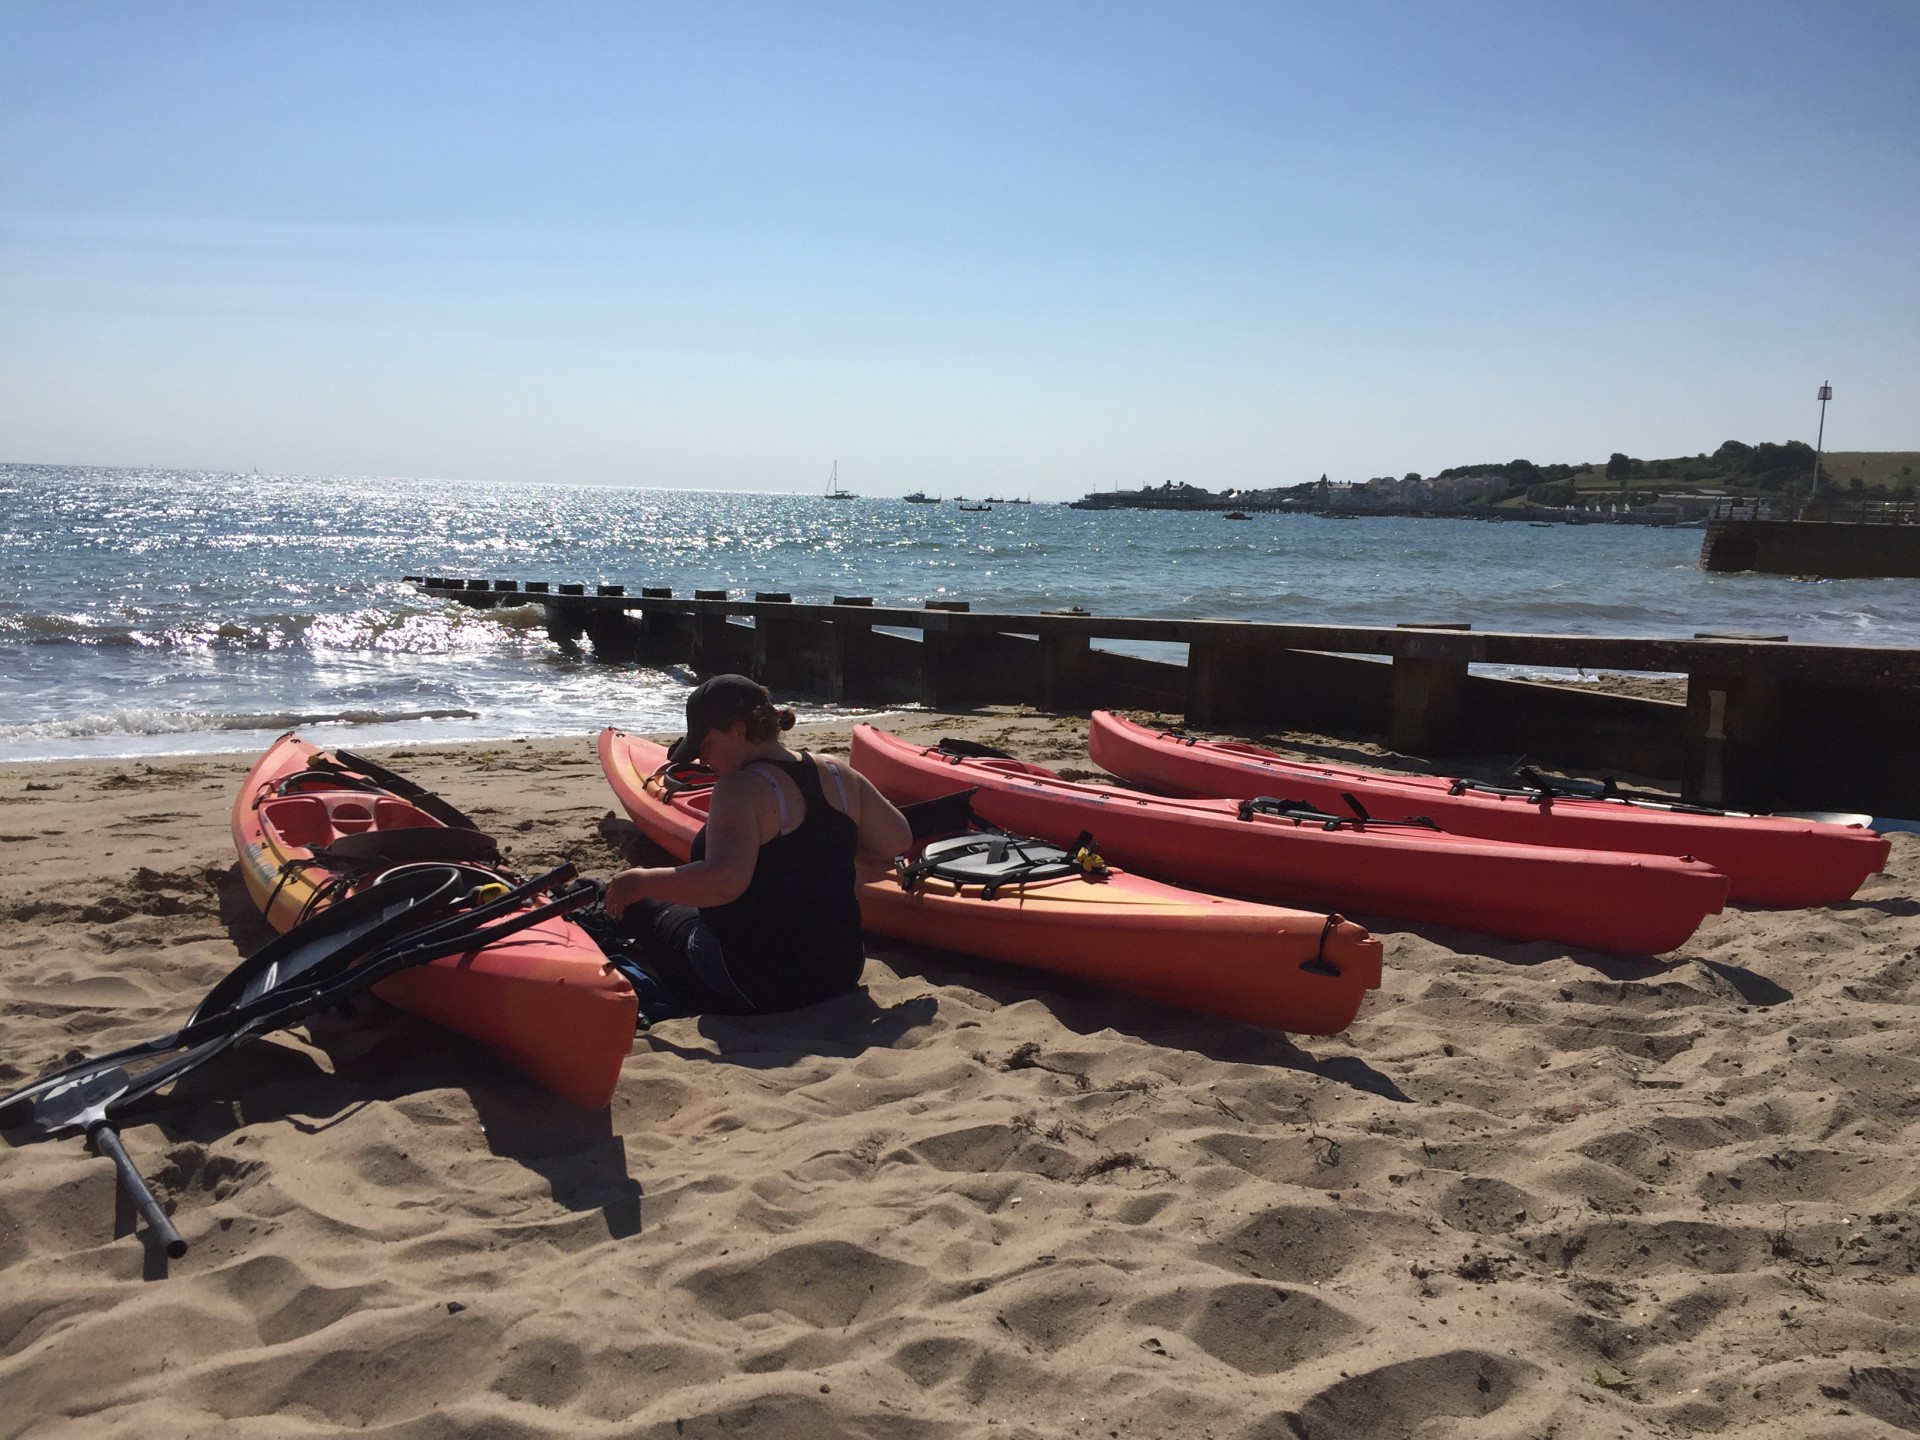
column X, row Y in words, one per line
column 1768, row 860
column 1280, row 968
column 1635, row 904
column 545, row 1000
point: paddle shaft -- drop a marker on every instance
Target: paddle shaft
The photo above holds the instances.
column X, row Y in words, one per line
column 107, row 1141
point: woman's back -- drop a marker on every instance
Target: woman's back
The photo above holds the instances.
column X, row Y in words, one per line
column 793, row 936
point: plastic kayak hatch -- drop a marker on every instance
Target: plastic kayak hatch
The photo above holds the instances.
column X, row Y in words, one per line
column 545, row 1000
column 1768, row 860
column 1633, row 904
column 1285, row 969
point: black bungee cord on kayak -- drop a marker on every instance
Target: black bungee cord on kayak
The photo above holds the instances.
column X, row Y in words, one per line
column 1303, row 812
column 351, row 859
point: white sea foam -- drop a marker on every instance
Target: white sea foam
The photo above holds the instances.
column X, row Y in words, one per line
column 148, row 720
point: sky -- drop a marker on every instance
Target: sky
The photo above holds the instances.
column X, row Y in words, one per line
column 981, row 247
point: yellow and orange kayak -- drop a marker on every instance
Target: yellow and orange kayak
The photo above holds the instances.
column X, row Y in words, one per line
column 1287, row 969
column 545, row 1000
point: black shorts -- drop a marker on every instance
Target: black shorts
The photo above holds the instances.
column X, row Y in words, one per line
column 679, row 949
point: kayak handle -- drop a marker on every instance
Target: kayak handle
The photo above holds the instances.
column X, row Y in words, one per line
column 107, row 1141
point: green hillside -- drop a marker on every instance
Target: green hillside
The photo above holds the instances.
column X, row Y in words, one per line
column 1890, row 470
column 1783, row 470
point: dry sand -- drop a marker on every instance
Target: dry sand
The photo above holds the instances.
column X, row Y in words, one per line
column 1531, row 1192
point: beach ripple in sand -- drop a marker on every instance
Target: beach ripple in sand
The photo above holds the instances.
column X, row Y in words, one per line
column 1531, row 1192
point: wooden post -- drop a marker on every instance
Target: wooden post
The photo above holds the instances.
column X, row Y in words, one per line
column 1733, row 733
column 1428, row 714
column 941, row 655
column 1066, row 672
column 850, row 655
column 774, row 645
column 1217, row 678
column 709, row 653
column 1733, row 741
column 617, row 639
column 565, row 623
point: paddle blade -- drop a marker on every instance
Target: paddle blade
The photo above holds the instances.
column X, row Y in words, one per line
column 333, row 940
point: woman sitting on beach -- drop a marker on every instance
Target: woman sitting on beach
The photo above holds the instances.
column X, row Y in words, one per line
column 764, row 916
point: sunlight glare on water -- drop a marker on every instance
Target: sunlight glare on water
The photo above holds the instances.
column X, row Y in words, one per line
column 162, row 612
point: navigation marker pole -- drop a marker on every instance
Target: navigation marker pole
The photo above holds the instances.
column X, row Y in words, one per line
column 1826, row 394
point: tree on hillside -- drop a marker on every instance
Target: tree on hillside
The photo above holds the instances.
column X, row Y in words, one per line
column 1619, row 466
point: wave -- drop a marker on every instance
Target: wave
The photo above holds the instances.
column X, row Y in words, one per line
column 401, row 631
column 138, row 720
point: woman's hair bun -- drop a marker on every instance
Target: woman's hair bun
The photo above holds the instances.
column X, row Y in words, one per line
column 786, row 719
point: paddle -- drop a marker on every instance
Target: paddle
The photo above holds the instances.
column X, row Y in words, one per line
column 87, row 1097
column 406, row 789
column 84, row 1103
column 303, row 973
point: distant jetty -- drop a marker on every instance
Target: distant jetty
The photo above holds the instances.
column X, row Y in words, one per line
column 1833, row 542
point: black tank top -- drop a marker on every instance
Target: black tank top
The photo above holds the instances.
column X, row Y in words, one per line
column 793, row 936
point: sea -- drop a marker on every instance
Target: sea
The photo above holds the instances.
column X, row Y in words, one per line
column 164, row 612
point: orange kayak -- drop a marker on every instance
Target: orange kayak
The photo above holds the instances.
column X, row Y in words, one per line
column 1772, row 860
column 1286, row 969
column 545, row 1000
column 1636, row 904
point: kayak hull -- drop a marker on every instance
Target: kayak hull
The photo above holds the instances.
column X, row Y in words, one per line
column 1233, row 959
column 1768, row 860
column 544, row 1000
column 1633, row 904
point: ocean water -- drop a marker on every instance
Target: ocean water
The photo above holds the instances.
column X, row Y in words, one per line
column 161, row 612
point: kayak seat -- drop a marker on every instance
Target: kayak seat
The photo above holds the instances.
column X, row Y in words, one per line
column 408, row 846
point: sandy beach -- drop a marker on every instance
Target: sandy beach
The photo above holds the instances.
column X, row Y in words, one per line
column 1531, row 1192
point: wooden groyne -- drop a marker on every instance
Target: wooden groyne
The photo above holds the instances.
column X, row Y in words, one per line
column 1767, row 724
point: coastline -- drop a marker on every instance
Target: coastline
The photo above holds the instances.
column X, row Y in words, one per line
column 1529, row 1188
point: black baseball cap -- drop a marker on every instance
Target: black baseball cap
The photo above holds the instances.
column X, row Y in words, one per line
column 715, row 703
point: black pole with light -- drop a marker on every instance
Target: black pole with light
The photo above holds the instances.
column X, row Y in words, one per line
column 1826, row 394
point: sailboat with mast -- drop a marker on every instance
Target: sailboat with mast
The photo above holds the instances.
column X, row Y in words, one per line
column 834, row 492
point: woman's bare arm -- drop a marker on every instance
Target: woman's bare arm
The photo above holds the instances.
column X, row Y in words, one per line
column 732, row 850
column 883, row 830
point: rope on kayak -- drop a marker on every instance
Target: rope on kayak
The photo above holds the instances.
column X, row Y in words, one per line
column 1319, row 964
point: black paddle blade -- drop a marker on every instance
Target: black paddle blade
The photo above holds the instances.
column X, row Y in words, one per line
column 322, row 947
column 332, row 940
column 414, row 845
column 94, row 1094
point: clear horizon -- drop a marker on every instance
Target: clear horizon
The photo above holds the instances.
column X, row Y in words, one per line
column 987, row 248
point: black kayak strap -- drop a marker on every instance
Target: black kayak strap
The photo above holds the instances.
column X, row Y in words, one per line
column 956, row 750
column 1538, row 789
column 1302, row 812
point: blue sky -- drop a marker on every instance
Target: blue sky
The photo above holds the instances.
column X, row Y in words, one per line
column 1038, row 247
